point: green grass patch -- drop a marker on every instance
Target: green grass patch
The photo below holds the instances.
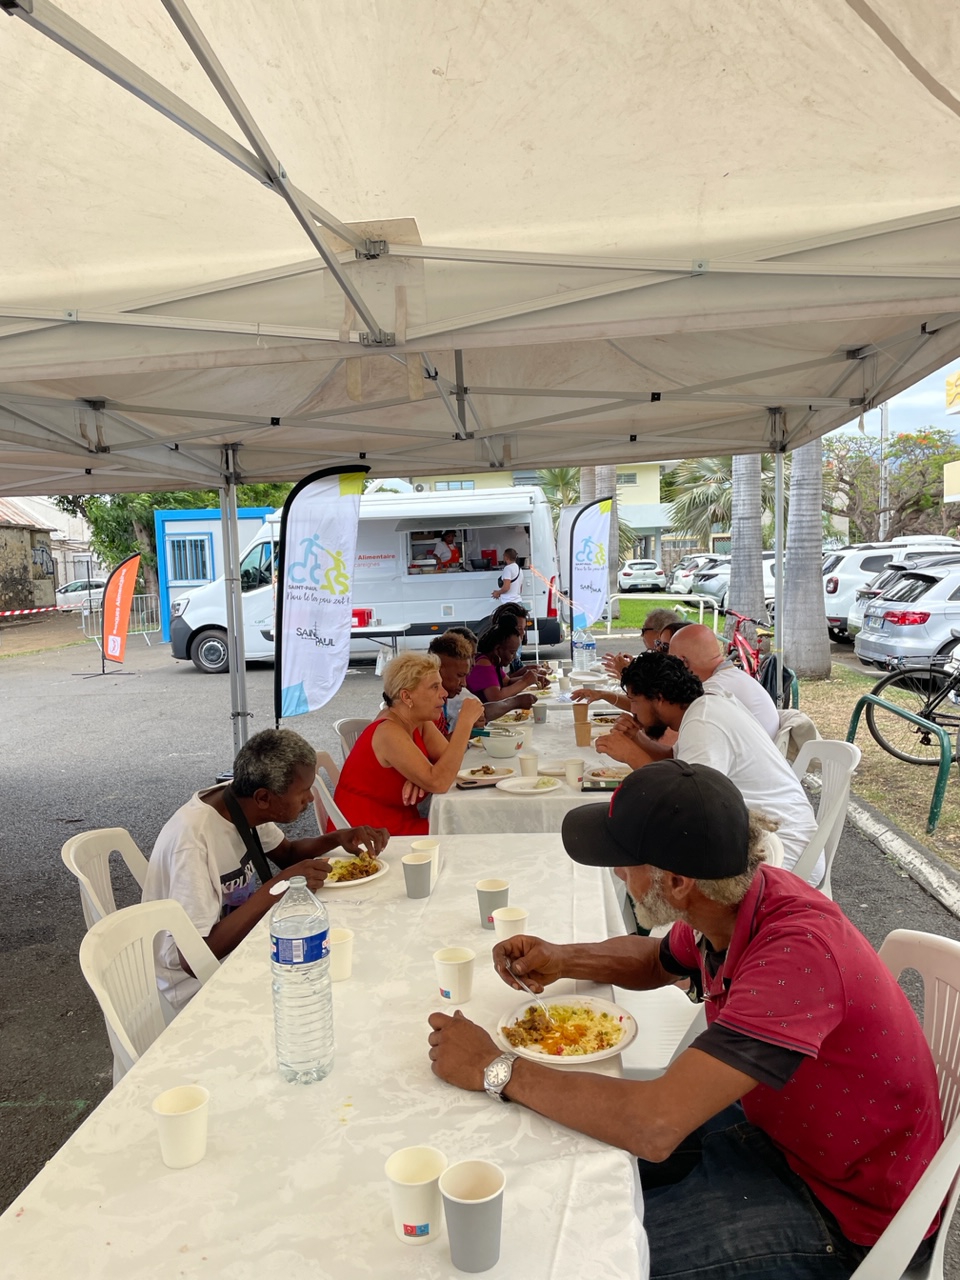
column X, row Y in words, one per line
column 633, row 614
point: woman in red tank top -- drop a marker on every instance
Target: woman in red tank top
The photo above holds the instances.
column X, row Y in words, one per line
column 402, row 755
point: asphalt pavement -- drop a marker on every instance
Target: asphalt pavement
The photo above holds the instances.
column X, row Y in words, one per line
column 126, row 750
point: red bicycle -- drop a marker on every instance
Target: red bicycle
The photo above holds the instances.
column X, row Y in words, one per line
column 746, row 655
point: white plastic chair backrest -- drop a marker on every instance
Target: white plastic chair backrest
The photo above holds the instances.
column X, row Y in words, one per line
column 87, row 855
column 325, row 762
column 323, row 796
column 937, row 960
column 117, row 960
column 349, row 731
column 773, row 849
column 837, row 763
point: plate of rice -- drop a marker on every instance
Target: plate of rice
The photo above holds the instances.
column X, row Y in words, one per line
column 581, row 1029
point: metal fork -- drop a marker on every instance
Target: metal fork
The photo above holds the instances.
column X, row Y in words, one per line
column 516, row 977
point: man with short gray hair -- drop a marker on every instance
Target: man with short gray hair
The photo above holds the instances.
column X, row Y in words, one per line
column 210, row 856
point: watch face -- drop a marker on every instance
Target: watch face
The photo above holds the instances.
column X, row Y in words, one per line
column 498, row 1073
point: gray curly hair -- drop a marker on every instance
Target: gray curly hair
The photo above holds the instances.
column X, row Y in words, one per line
column 270, row 760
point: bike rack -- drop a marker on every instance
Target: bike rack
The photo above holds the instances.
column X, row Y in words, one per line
column 946, row 749
column 701, row 602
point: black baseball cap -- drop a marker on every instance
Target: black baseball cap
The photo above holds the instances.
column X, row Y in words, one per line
column 685, row 818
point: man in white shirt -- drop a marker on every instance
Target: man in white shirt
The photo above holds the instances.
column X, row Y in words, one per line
column 511, row 590
column 700, row 651
column 712, row 729
column 203, row 858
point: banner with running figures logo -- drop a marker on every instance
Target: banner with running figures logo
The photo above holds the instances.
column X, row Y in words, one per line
column 589, row 561
column 318, row 544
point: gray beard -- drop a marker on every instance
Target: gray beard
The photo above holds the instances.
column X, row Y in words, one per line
column 653, row 910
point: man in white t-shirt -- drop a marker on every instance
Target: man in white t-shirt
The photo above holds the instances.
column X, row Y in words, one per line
column 712, row 729
column 511, row 578
column 202, row 859
column 700, row 651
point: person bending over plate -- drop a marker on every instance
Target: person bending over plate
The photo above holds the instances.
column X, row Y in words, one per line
column 782, row 1142
column 402, row 755
column 456, row 654
column 210, row 855
column 496, row 649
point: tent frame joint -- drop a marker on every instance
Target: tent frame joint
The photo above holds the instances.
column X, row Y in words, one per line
column 371, row 249
column 10, row 6
column 378, row 338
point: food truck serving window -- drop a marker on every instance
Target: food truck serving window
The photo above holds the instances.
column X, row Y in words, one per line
column 480, row 547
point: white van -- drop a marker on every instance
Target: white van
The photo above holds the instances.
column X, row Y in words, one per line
column 396, row 579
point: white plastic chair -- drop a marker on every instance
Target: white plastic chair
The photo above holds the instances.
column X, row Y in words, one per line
column 116, row 957
column 320, row 807
column 349, row 731
column 837, row 763
column 87, row 856
column 937, row 960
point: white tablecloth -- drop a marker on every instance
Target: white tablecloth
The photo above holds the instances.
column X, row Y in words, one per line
column 465, row 812
column 292, row 1184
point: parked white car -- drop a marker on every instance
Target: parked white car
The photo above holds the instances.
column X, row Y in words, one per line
column 681, row 581
column 76, row 595
column 641, row 575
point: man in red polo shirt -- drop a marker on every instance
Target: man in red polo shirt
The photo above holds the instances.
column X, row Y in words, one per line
column 782, row 1142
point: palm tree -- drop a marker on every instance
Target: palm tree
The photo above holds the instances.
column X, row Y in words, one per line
column 806, row 647
column 745, row 593
column 704, row 495
column 561, row 487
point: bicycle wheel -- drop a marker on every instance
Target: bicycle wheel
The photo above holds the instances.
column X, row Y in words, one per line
column 910, row 690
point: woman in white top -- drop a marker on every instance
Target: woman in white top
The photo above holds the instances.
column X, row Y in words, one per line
column 445, row 551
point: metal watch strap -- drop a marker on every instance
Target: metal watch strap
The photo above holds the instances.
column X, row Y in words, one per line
column 496, row 1090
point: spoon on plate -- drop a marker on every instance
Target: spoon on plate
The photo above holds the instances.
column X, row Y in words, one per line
column 516, row 977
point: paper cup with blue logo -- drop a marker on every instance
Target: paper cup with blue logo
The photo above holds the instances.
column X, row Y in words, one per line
column 454, row 966
column 414, row 1177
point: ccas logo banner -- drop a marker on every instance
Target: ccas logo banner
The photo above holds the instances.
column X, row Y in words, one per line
column 589, row 583
column 318, row 547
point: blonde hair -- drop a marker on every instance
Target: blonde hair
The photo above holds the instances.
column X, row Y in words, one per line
column 405, row 672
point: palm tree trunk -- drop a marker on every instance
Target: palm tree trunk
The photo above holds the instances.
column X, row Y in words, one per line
column 605, row 481
column 806, row 646
column 745, row 594
column 588, row 484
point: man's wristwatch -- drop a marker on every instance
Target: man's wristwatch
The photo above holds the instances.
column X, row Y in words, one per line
column 497, row 1075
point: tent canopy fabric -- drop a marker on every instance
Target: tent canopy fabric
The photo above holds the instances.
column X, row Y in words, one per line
column 441, row 238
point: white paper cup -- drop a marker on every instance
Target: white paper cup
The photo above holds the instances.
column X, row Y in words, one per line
column 417, row 874
column 573, row 772
column 564, row 683
column 539, row 714
column 182, row 1125
column 509, row 921
column 529, row 761
column 454, row 967
column 490, row 895
column 472, row 1194
column 340, row 942
column 432, row 847
column 413, row 1174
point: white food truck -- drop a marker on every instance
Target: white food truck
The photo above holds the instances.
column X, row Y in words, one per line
column 396, row 578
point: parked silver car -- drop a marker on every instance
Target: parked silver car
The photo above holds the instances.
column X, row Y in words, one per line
column 848, row 568
column 913, row 621
column 681, row 580
column 714, row 580
column 878, row 586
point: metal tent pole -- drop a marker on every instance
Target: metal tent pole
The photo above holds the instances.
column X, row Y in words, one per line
column 229, row 526
column 777, row 432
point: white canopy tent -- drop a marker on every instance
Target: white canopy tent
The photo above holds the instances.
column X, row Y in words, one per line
column 441, row 237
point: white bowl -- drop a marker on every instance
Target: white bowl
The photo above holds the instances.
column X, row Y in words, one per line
column 502, row 745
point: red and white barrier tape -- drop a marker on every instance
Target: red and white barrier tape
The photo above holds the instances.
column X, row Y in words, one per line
column 17, row 613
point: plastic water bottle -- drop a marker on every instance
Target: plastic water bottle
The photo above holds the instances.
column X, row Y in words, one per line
column 589, row 650
column 579, row 656
column 302, row 1001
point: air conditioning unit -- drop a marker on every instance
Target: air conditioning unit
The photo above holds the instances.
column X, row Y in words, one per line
column 419, row 488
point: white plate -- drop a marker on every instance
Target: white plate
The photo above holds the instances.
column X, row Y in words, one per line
column 597, row 772
column 484, row 779
column 512, row 717
column 354, row 884
column 526, row 786
column 577, row 1060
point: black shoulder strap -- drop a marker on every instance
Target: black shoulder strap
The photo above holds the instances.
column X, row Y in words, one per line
column 248, row 835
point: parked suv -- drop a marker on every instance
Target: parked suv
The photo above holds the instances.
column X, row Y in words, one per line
column 851, row 567
column 913, row 621
column 640, row 575
column 877, row 587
